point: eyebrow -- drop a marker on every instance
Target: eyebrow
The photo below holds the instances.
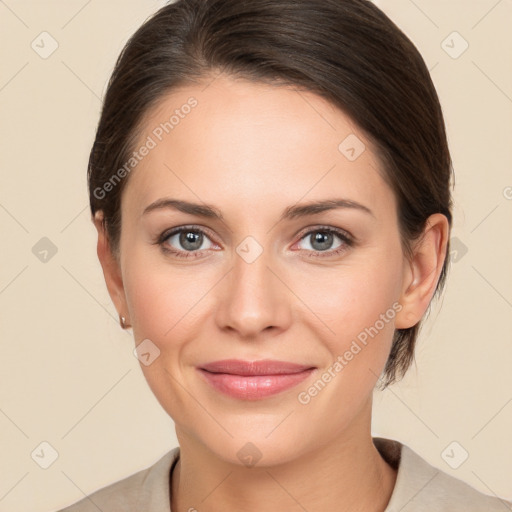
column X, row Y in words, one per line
column 292, row 212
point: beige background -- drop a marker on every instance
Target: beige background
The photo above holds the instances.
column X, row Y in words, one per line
column 68, row 374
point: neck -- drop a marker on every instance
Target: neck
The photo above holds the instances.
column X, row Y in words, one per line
column 345, row 474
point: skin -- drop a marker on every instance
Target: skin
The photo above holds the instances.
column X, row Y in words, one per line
column 252, row 150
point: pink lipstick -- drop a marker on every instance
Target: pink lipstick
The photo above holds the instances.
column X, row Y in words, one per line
column 253, row 380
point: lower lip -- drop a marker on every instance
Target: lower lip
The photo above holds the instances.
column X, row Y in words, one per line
column 254, row 387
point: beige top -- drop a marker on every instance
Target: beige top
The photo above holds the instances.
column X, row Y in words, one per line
column 419, row 487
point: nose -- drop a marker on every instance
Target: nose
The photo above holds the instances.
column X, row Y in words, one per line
column 253, row 298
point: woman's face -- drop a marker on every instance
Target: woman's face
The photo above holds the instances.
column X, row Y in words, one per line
column 258, row 277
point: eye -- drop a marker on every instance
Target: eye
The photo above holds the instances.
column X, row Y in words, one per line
column 190, row 242
column 323, row 240
column 185, row 241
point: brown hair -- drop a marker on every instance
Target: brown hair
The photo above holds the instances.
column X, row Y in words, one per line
column 346, row 51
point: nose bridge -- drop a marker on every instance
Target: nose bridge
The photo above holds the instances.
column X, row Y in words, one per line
column 252, row 299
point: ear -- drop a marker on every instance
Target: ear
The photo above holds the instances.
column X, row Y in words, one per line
column 422, row 272
column 111, row 267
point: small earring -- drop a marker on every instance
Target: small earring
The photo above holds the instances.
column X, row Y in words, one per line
column 122, row 322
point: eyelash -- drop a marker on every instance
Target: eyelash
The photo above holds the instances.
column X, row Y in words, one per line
column 347, row 240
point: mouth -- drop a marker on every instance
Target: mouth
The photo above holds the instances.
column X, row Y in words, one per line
column 254, row 380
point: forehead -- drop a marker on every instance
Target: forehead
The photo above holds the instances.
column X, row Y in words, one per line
column 238, row 140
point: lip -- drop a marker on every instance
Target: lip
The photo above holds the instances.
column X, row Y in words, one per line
column 254, row 380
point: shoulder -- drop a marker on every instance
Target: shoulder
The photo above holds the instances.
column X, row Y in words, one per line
column 146, row 490
column 421, row 487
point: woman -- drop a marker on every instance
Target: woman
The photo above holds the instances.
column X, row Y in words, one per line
column 270, row 182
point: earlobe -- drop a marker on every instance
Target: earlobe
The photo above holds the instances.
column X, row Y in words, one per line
column 422, row 272
column 110, row 266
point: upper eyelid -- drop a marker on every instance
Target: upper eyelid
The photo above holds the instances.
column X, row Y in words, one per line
column 178, row 229
column 320, row 227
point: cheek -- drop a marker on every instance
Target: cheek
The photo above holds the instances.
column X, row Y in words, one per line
column 355, row 306
column 351, row 299
column 161, row 304
column 160, row 298
column 359, row 310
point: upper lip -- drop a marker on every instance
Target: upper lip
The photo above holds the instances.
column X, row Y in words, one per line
column 263, row 367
